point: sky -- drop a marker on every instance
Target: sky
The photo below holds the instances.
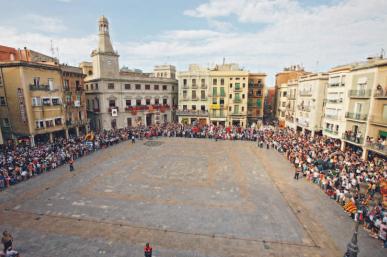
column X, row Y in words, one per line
column 260, row 35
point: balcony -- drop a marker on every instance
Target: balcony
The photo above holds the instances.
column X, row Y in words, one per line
column 157, row 107
column 335, row 101
column 303, row 123
column 34, row 87
column 378, row 120
column 237, row 100
column 237, row 113
column 204, row 86
column 292, row 97
column 195, row 98
column 330, row 131
column 194, row 86
column 238, row 89
column 305, row 108
column 379, row 94
column 217, row 116
column 378, row 147
column 363, row 93
column 356, row 116
column 203, row 98
column 185, row 87
column 332, row 117
column 334, row 84
column 352, row 138
column 199, row 113
column 305, row 93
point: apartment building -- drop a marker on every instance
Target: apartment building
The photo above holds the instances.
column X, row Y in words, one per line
column 310, row 101
column 256, row 98
column 193, row 95
column 334, row 123
column 33, row 100
column 291, row 105
column 282, row 99
column 117, row 98
column 366, row 115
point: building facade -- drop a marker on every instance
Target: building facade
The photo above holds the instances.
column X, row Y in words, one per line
column 74, row 100
column 334, row 123
column 255, row 98
column 291, row 105
column 269, row 104
column 33, row 100
column 282, row 100
column 310, row 102
column 117, row 98
column 193, row 95
column 366, row 115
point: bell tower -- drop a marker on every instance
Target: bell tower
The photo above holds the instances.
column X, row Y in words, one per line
column 105, row 59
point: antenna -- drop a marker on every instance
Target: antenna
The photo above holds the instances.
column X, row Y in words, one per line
column 382, row 53
column 52, row 50
column 224, row 60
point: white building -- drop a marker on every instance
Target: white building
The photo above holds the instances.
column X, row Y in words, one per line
column 291, row 104
column 117, row 98
column 339, row 81
column 310, row 101
column 282, row 102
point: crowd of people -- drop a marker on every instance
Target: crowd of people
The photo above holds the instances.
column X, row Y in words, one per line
column 318, row 159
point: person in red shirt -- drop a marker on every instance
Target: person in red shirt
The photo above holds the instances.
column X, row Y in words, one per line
column 147, row 250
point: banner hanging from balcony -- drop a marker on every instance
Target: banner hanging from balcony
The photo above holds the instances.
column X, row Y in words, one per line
column 22, row 105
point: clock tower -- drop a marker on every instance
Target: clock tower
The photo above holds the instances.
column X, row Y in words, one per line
column 105, row 59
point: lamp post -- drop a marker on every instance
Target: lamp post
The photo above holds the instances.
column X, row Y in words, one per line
column 352, row 247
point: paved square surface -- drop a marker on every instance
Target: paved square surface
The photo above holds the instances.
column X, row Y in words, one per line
column 188, row 197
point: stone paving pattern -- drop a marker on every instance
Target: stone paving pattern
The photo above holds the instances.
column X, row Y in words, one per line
column 188, row 197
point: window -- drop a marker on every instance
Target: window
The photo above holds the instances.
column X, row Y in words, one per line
column 147, row 101
column 214, row 82
column 203, row 107
column 36, row 81
column 222, row 82
column 110, row 85
column 230, row 96
column 55, row 101
column 237, row 78
column 194, row 107
column 214, row 91
column 6, row 123
column 243, row 108
column 49, row 123
column 222, row 93
column 46, row 101
column 203, row 82
column 87, row 86
column 237, row 86
column 2, row 101
column 184, row 107
column 127, row 86
column 138, row 87
column 156, row 87
column 39, row 124
column 51, row 84
column 259, row 93
column 58, row 121
column 243, row 85
column 184, row 82
column 147, row 87
column 96, row 86
column 203, row 94
column 214, row 101
column 165, row 101
column 112, row 103
column 138, row 102
column 157, row 101
column 229, row 109
column 221, row 101
column 185, row 94
column 165, row 87
column 230, row 85
column 128, row 103
column 193, row 94
column 193, row 82
column 66, row 84
column 243, row 96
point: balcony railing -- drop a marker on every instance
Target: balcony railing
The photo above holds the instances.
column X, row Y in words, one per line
column 362, row 93
column 147, row 107
column 34, row 87
column 377, row 147
column 237, row 100
column 305, row 93
column 237, row 89
column 292, row 97
column 203, row 98
column 203, row 86
column 378, row 120
column 305, row 108
column 334, row 101
column 334, row 132
column 192, row 113
column 195, row 98
column 379, row 94
column 332, row 117
column 218, row 115
column 356, row 116
column 194, row 85
column 353, row 138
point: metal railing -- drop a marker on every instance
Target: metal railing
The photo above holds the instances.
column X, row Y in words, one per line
column 353, row 138
column 34, row 87
column 356, row 116
column 363, row 93
column 378, row 120
column 191, row 113
column 335, row 132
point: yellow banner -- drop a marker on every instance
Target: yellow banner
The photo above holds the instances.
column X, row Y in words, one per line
column 215, row 106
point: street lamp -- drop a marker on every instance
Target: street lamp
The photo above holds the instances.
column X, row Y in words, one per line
column 352, row 247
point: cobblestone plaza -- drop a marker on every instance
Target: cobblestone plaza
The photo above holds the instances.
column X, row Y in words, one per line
column 187, row 197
